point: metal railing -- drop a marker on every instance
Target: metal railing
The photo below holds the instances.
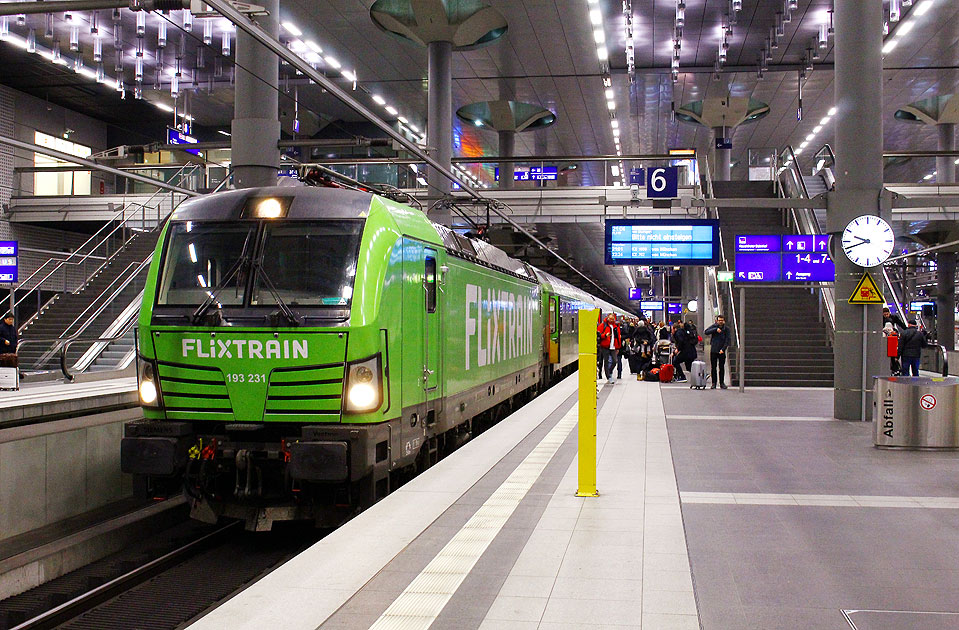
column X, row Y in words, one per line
column 86, row 320
column 80, row 257
column 806, row 222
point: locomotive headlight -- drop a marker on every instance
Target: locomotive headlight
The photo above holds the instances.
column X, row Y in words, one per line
column 149, row 394
column 269, row 208
column 364, row 390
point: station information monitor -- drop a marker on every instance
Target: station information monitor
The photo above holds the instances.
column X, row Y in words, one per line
column 783, row 258
column 662, row 242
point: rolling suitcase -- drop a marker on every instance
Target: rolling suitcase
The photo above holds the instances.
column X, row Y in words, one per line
column 666, row 373
column 697, row 375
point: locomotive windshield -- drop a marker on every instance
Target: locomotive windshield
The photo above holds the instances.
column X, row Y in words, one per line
column 302, row 263
column 310, row 264
column 202, row 257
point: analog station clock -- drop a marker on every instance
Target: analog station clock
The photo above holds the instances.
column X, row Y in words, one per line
column 868, row 241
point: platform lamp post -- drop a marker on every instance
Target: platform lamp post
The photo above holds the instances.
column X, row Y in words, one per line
column 588, row 321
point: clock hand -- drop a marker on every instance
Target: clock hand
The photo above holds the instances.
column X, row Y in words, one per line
column 856, row 245
column 864, row 240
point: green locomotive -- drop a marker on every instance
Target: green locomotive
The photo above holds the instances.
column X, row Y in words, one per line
column 301, row 351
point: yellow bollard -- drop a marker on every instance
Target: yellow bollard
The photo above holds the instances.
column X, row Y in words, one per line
column 588, row 321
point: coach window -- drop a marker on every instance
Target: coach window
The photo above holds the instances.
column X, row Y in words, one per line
column 430, row 282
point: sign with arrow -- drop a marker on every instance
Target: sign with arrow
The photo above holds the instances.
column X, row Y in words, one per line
column 867, row 291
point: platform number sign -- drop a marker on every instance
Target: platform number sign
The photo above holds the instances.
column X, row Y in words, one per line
column 662, row 182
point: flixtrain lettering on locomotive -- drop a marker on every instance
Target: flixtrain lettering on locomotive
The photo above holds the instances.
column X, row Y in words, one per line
column 302, row 351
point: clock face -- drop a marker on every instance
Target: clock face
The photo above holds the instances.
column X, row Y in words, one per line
column 868, row 241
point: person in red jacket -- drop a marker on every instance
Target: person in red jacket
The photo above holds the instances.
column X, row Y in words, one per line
column 610, row 343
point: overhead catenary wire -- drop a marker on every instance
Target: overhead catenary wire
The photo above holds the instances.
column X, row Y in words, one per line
column 227, row 10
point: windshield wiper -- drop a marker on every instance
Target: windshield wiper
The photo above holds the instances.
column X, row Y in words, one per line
column 242, row 261
column 291, row 316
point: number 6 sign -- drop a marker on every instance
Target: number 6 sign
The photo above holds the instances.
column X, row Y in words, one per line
column 662, row 182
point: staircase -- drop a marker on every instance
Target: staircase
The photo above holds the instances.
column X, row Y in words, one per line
column 60, row 318
column 786, row 343
column 113, row 354
column 815, row 185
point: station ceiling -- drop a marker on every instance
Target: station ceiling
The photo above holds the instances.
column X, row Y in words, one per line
column 548, row 57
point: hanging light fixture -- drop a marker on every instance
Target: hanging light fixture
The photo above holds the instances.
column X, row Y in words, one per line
column 67, row 16
column 100, row 73
column 32, row 41
column 77, row 63
column 161, row 33
column 141, row 23
column 48, row 32
column 74, row 38
column 97, row 49
column 207, row 32
column 21, row 19
column 138, row 69
column 138, row 92
column 4, row 27
column 680, row 13
column 95, row 23
column 118, row 64
column 895, row 11
column 118, row 37
column 823, row 36
column 225, row 43
column 187, row 20
column 175, row 85
column 55, row 55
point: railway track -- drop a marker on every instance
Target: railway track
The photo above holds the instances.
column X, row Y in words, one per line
column 161, row 593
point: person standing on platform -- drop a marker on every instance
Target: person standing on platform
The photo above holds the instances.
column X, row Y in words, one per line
column 911, row 343
column 685, row 351
column 610, row 343
column 8, row 333
column 718, row 344
column 895, row 320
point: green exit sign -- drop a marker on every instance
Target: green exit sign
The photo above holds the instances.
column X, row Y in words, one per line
column 725, row 276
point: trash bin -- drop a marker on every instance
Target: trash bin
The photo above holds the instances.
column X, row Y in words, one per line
column 916, row 412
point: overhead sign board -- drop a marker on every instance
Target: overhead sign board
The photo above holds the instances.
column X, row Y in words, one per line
column 175, row 136
column 9, row 269
column 662, row 242
column 915, row 307
column 725, row 276
column 783, row 258
column 651, row 305
column 635, row 293
column 724, row 143
column 674, row 308
column 662, row 182
column 866, row 292
column 533, row 173
column 637, row 176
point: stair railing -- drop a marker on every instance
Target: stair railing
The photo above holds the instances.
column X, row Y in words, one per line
column 715, row 294
column 806, row 222
column 101, row 305
column 120, row 326
column 97, row 240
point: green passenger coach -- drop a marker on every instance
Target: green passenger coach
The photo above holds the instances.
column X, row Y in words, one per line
column 301, row 351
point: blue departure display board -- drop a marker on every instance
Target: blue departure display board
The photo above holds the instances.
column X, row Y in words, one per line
column 787, row 258
column 533, row 173
column 662, row 242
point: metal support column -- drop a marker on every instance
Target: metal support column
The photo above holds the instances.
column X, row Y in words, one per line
column 858, row 76
column 946, row 298
column 256, row 120
column 723, row 156
column 439, row 118
column 946, row 166
column 507, row 147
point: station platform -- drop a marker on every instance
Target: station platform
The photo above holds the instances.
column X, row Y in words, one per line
column 57, row 399
column 718, row 510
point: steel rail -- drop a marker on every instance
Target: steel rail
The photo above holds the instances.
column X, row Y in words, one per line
column 83, row 603
column 224, row 8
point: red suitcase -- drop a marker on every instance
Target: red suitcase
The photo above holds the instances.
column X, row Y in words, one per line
column 892, row 346
column 666, row 373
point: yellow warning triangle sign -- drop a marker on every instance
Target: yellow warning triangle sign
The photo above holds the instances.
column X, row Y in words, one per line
column 867, row 292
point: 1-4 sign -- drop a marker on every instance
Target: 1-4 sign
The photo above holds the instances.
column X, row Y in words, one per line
column 662, row 182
